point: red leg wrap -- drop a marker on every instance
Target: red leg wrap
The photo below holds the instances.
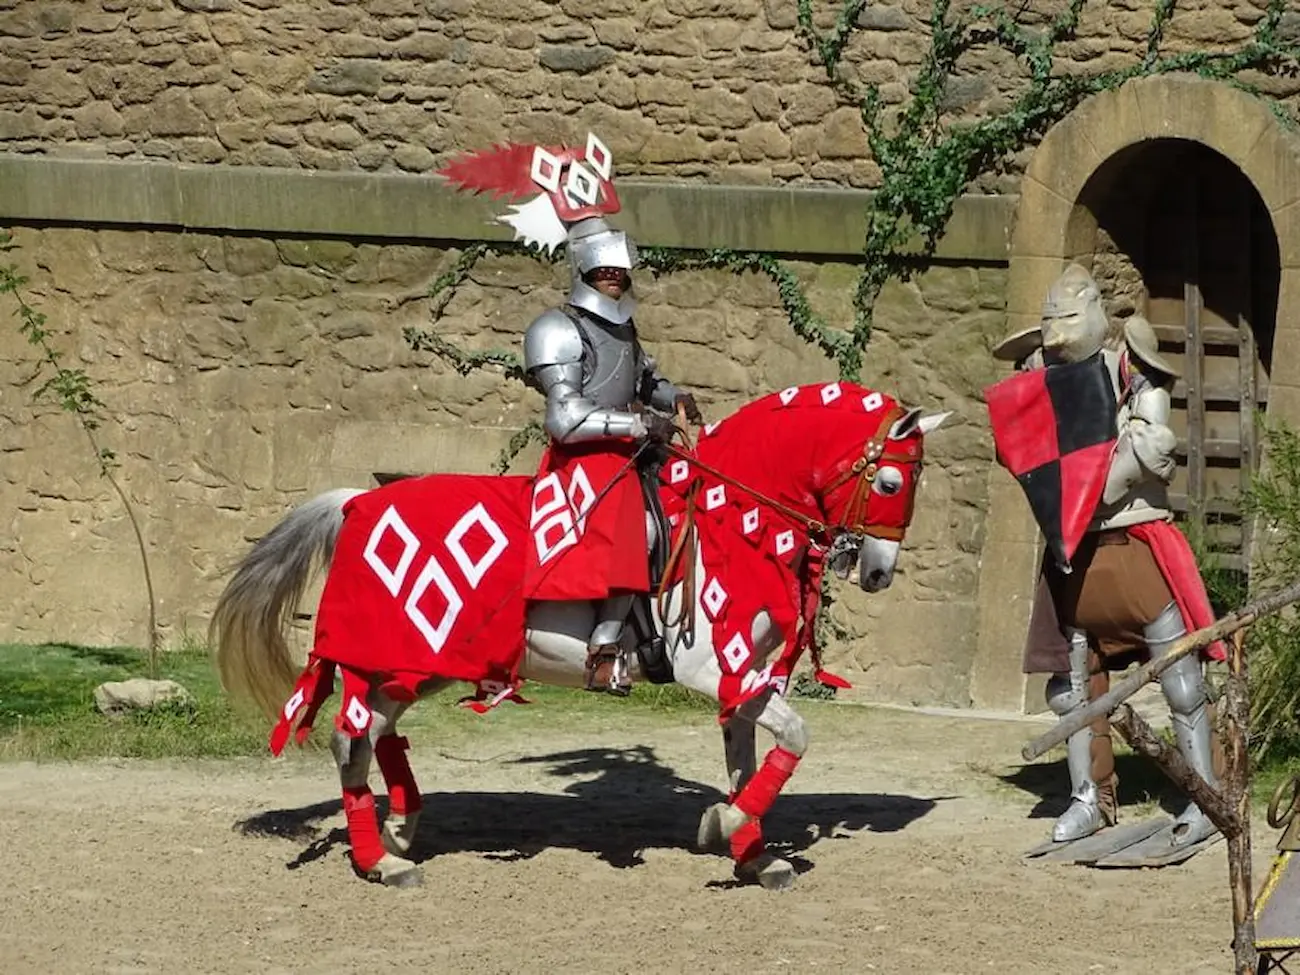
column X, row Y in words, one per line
column 403, row 793
column 747, row 842
column 761, row 791
column 363, row 827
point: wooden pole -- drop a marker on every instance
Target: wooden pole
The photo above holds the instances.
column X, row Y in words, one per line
column 1237, row 788
column 1152, row 669
column 1229, row 810
column 1170, row 761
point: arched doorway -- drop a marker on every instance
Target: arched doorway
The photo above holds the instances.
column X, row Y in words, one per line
column 1183, row 238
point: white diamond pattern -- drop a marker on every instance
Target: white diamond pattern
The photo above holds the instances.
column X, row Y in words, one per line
column 736, row 653
column 474, row 571
column 679, row 471
column 391, row 576
column 715, row 497
column 749, row 521
column 788, row 394
column 784, row 542
column 714, row 598
column 830, row 393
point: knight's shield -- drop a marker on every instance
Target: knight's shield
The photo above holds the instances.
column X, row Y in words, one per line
column 1055, row 430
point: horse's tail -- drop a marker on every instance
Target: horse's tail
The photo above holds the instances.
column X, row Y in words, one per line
column 247, row 631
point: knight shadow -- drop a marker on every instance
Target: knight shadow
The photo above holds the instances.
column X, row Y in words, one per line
column 1140, row 781
column 631, row 803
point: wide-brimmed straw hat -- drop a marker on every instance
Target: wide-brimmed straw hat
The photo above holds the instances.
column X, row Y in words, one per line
column 1019, row 344
column 1144, row 345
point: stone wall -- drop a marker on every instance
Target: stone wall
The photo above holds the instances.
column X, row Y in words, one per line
column 243, row 374
column 722, row 90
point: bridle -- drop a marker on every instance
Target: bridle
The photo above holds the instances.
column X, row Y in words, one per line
column 823, row 536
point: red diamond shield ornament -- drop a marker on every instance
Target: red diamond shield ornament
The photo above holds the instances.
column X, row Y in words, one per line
column 1055, row 430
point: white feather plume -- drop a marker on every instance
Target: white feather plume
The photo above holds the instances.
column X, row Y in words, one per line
column 536, row 223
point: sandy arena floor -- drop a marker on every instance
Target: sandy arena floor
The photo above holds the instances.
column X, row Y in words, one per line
column 567, row 849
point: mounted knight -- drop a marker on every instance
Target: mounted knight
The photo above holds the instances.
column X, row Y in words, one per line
column 1118, row 581
column 585, row 358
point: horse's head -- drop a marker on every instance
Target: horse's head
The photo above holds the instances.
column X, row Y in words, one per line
column 871, row 492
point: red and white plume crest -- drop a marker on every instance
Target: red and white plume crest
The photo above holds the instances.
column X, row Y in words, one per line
column 570, row 185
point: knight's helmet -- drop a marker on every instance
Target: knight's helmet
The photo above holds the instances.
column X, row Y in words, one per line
column 572, row 194
column 1074, row 323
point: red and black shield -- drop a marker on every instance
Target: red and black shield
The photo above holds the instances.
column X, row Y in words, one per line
column 1055, row 430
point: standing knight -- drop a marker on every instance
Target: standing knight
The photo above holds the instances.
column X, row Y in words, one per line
column 1132, row 588
column 596, row 494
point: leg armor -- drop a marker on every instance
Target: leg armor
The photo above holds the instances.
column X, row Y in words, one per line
column 1184, row 688
column 607, row 668
column 1065, row 693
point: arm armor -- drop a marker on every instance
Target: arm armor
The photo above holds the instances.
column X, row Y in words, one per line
column 553, row 354
column 571, row 417
column 655, row 389
column 1146, row 446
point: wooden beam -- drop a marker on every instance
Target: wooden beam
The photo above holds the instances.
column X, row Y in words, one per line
column 1170, row 761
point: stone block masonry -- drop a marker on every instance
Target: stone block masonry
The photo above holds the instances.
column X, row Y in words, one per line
column 719, row 90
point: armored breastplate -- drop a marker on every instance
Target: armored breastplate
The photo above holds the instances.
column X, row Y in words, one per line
column 611, row 365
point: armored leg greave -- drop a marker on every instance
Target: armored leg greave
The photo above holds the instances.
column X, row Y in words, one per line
column 607, row 668
column 1088, row 755
column 1184, row 688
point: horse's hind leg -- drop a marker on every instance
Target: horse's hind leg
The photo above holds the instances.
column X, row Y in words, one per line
column 403, row 794
column 352, row 756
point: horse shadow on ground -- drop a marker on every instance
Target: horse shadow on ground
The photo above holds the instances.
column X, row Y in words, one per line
column 1140, row 781
column 628, row 802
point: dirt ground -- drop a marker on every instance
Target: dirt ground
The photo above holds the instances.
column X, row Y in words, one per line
column 565, row 846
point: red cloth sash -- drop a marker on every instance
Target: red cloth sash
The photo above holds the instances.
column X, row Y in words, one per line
column 587, row 521
column 1177, row 564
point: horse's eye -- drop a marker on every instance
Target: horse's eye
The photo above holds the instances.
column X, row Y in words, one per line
column 887, row 482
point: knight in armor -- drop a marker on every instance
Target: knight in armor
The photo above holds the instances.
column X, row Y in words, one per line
column 595, row 515
column 586, row 360
column 1132, row 588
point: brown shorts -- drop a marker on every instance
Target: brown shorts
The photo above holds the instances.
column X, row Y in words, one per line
column 1115, row 590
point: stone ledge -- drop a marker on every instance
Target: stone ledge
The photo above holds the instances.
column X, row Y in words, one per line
column 274, row 201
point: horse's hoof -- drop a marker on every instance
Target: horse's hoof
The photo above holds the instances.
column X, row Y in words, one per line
column 770, row 872
column 399, row 832
column 394, row 871
column 709, row 838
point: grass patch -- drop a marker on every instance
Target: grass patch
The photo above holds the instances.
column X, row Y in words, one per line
column 47, row 707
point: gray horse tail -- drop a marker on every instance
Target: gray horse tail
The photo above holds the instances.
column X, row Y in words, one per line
column 247, row 631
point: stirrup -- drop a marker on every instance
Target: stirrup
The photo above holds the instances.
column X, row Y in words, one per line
column 606, row 670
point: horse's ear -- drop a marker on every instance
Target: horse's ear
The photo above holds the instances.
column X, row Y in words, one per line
column 932, row 422
column 905, row 425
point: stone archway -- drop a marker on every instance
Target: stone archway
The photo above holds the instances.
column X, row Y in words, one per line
column 1056, row 222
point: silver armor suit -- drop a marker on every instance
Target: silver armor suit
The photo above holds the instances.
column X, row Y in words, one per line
column 591, row 372
column 589, row 364
column 1136, row 492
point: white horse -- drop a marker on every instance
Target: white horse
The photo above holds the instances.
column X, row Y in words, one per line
column 829, row 470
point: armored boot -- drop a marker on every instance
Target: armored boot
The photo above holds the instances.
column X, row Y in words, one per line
column 1088, row 755
column 1184, row 689
column 607, row 668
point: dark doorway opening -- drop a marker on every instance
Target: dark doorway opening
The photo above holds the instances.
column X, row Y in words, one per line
column 1184, row 238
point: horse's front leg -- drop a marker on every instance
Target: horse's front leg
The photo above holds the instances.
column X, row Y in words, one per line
column 739, row 820
column 352, row 756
